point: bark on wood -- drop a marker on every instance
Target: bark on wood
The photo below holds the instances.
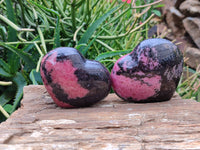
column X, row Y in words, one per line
column 112, row 124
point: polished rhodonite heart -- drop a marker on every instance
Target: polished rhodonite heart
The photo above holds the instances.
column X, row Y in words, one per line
column 73, row 81
column 149, row 73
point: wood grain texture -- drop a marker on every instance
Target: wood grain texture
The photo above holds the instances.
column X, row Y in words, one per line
column 112, row 124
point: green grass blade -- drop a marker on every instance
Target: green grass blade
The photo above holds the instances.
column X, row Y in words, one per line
column 7, row 95
column 43, row 7
column 42, row 40
column 20, row 82
column 57, row 33
column 84, row 51
column 24, row 56
column 3, row 73
column 157, row 12
column 8, row 108
column 3, row 33
column 29, row 47
column 4, row 65
column 35, row 77
column 198, row 94
column 90, row 31
column 111, row 54
column 12, row 59
column 12, row 33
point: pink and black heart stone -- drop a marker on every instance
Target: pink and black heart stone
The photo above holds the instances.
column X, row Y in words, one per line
column 73, row 81
column 150, row 73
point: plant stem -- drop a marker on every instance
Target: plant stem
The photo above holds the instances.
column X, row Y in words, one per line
column 124, row 34
column 105, row 45
column 42, row 40
column 73, row 15
column 14, row 26
column 88, row 12
column 1, row 1
column 38, row 48
column 65, row 5
column 76, row 32
column 32, row 42
column 142, row 6
column 23, row 12
column 113, row 3
column 38, row 64
column 4, row 83
column 4, row 112
column 45, row 3
column 20, row 37
column 60, row 8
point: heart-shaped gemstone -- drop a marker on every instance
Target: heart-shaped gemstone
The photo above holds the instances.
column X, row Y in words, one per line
column 149, row 73
column 73, row 81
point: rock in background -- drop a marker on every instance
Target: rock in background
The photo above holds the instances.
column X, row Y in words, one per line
column 183, row 18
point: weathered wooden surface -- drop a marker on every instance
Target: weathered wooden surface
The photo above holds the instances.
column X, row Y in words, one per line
column 110, row 125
